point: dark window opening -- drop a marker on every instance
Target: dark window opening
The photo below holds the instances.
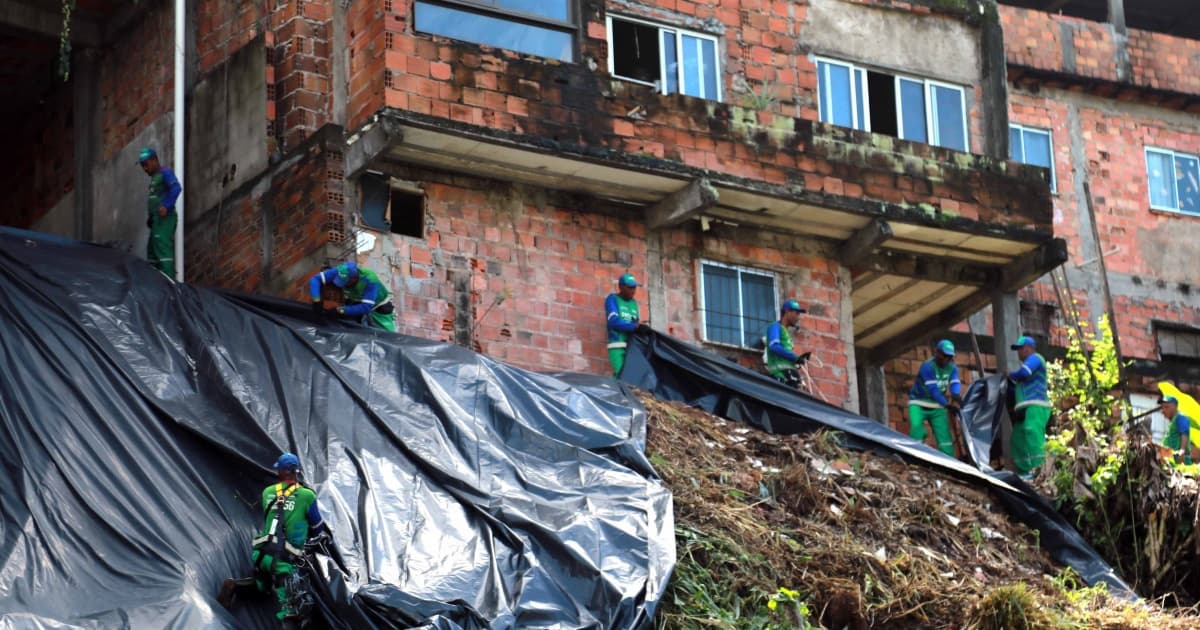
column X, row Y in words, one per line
column 1037, row 320
column 882, row 90
column 1178, row 343
column 407, row 210
column 635, row 51
column 397, row 210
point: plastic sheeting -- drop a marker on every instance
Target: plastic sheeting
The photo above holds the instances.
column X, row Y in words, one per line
column 675, row 370
column 140, row 418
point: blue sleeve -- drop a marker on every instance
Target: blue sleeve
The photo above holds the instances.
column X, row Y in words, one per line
column 314, row 516
column 615, row 321
column 1183, row 426
column 929, row 383
column 1027, row 368
column 366, row 304
column 173, row 188
column 955, row 384
column 314, row 284
column 774, row 333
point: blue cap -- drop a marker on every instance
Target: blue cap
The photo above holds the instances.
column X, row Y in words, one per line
column 945, row 347
column 791, row 305
column 287, row 463
column 1024, row 340
column 347, row 273
column 627, row 280
column 145, row 154
column 1168, row 399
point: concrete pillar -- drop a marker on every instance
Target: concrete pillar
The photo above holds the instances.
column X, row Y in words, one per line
column 1116, row 19
column 85, row 115
column 1006, row 327
column 1116, row 15
column 872, row 393
column 656, row 290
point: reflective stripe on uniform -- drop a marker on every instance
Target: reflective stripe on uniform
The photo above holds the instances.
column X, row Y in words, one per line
column 1033, row 403
column 928, row 404
column 617, row 344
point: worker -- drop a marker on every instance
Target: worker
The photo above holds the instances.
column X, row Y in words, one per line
column 1032, row 409
column 160, row 212
column 936, row 390
column 290, row 518
column 779, row 359
column 365, row 299
column 621, row 311
column 1179, row 428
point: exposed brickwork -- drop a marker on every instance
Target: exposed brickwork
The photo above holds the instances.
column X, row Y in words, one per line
column 303, row 73
column 136, row 81
column 35, row 183
column 224, row 26
column 368, row 25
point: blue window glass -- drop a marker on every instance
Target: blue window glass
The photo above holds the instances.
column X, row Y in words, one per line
column 722, row 315
column 692, row 70
column 493, row 31
column 1187, row 183
column 553, row 9
column 758, row 306
column 949, row 120
column 1016, row 151
column 833, row 88
column 671, row 58
column 1032, row 146
column 912, row 110
column 708, row 55
column 1160, row 170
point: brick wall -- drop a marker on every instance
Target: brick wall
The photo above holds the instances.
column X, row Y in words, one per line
column 527, row 270
column 136, row 82
column 35, row 181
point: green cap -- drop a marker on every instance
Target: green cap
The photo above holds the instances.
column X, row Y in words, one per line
column 791, row 305
column 627, row 280
column 145, row 154
column 946, row 347
column 1168, row 399
column 1023, row 341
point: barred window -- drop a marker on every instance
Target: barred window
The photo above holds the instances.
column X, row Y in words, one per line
column 738, row 303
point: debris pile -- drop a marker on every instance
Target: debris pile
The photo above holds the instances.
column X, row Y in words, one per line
column 787, row 531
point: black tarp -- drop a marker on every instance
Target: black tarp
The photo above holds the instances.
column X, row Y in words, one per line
column 139, row 419
column 674, row 370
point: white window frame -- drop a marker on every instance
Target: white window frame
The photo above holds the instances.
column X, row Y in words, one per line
column 931, row 130
column 1141, row 403
column 1174, row 182
column 661, row 85
column 1050, row 142
column 741, row 316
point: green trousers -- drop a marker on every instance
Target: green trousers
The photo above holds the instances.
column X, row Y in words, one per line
column 160, row 247
column 384, row 322
column 1029, row 439
column 616, row 356
column 282, row 572
column 936, row 417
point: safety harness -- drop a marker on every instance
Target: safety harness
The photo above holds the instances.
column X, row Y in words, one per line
column 275, row 542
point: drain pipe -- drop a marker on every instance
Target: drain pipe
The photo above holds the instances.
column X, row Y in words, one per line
column 180, row 127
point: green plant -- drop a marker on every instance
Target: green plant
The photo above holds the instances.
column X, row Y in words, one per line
column 762, row 99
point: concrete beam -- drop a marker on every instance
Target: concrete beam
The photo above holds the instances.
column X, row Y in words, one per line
column 935, row 269
column 924, row 331
column 48, row 23
column 368, row 144
column 681, row 205
column 864, row 242
column 1034, row 265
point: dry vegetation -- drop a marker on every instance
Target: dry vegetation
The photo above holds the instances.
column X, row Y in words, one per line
column 787, row 531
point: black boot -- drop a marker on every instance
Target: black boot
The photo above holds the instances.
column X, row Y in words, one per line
column 232, row 588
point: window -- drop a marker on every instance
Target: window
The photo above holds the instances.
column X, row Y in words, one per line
column 737, row 304
column 1142, row 403
column 1178, row 343
column 1036, row 321
column 1174, row 181
column 1032, row 146
column 398, row 208
column 909, row 108
column 545, row 28
column 671, row 60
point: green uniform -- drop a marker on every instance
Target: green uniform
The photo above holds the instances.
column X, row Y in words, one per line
column 1033, row 414
column 623, row 316
column 927, row 401
column 1179, row 431
column 354, row 295
column 298, row 503
column 160, row 245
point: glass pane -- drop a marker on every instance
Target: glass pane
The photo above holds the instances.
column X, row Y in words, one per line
column 671, row 55
column 860, row 93
column 758, row 306
column 949, row 117
column 834, row 94
column 709, row 50
column 912, row 104
column 1187, row 183
column 554, row 9
column 491, row 31
column 1159, row 170
column 375, row 197
column 722, row 316
column 691, row 66
column 1015, row 150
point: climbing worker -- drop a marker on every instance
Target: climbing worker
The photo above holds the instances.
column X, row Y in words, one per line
column 290, row 518
column 1032, row 410
column 1179, row 428
column 936, row 390
column 365, row 299
column 780, row 361
column 621, row 311
column 160, row 212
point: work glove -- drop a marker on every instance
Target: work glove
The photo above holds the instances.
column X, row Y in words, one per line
column 802, row 359
column 318, row 309
column 643, row 328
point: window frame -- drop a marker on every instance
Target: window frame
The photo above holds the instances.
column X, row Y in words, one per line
column 1049, row 141
column 741, row 315
column 571, row 26
column 1175, row 182
column 927, row 85
column 661, row 86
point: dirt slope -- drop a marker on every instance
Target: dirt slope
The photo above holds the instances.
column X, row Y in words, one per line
column 770, row 529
